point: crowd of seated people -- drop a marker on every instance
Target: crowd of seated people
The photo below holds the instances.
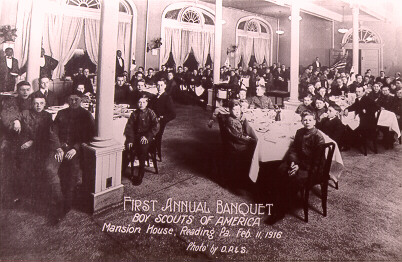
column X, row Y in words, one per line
column 373, row 94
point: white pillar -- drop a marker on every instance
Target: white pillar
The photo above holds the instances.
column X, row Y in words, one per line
column 106, row 70
column 355, row 12
column 294, row 52
column 35, row 43
column 103, row 157
column 218, row 46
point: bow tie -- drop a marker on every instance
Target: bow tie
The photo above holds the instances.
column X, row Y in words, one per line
column 9, row 57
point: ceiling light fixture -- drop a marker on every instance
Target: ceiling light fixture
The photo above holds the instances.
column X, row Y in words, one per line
column 343, row 29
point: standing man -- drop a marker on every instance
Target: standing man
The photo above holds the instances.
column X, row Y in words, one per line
column 50, row 96
column 9, row 71
column 119, row 63
column 47, row 65
column 316, row 64
column 163, row 106
column 74, row 126
column 366, row 109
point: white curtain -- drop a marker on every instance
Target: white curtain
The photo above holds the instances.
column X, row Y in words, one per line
column 195, row 42
column 259, row 50
column 185, row 47
column 176, row 47
column 91, row 33
column 53, row 26
column 23, row 25
column 245, row 50
column 181, row 42
column 207, row 38
column 123, row 42
column 68, row 42
column 166, row 45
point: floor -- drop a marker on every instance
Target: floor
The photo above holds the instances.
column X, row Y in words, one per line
column 364, row 219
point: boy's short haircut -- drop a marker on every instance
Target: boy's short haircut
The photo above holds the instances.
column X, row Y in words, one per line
column 23, row 83
column 336, row 107
column 319, row 99
column 307, row 113
column 233, row 103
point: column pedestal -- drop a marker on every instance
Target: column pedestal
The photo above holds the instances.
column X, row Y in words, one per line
column 102, row 175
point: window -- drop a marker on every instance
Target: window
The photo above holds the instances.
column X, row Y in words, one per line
column 95, row 4
column 191, row 16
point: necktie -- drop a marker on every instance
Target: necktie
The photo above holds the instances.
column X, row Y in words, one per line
column 45, row 94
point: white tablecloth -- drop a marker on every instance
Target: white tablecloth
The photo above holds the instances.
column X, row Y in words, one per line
column 272, row 144
column 386, row 118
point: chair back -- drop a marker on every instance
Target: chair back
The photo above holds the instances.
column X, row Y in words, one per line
column 223, row 132
column 321, row 164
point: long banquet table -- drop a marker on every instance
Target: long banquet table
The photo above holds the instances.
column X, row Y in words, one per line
column 274, row 138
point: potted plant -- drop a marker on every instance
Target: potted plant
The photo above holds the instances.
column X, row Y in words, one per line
column 154, row 44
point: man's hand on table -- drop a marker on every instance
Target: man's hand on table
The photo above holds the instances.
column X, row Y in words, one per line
column 293, row 169
column 346, row 112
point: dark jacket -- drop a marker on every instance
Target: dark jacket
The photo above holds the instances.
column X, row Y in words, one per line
column 234, row 134
column 366, row 109
column 50, row 65
column 333, row 128
column 302, row 149
column 38, row 128
column 163, row 107
column 74, row 127
column 12, row 109
column 119, row 69
column 141, row 123
column 386, row 102
column 51, row 98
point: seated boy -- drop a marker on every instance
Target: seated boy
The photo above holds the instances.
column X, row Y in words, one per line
column 238, row 144
column 38, row 154
column 320, row 109
column 296, row 163
column 141, row 129
column 260, row 100
column 332, row 125
column 307, row 105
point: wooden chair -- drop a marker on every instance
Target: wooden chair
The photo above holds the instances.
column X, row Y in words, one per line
column 318, row 175
column 152, row 153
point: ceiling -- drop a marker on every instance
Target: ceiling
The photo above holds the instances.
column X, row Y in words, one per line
column 281, row 8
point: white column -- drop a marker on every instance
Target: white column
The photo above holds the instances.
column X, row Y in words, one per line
column 35, row 43
column 355, row 13
column 218, row 46
column 294, row 52
column 106, row 71
column 103, row 157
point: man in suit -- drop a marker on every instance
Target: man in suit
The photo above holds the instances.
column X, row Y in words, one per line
column 366, row 109
column 121, row 91
column 50, row 96
column 73, row 126
column 358, row 83
column 119, row 63
column 260, row 100
column 316, row 64
column 163, row 106
column 48, row 64
column 171, row 85
column 150, row 79
column 9, row 71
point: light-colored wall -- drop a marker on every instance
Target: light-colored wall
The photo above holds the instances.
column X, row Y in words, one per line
column 315, row 40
